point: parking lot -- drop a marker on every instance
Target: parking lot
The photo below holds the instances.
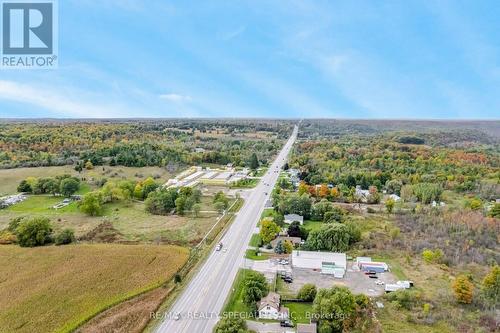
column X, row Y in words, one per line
column 355, row 280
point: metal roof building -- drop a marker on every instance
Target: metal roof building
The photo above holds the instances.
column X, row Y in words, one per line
column 328, row 262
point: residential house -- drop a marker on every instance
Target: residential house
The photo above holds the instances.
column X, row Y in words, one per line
column 294, row 240
column 290, row 218
column 269, row 307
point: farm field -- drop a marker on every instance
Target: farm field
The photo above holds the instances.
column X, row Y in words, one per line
column 52, row 289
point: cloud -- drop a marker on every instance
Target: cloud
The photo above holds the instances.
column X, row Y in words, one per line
column 177, row 98
column 232, row 34
column 62, row 102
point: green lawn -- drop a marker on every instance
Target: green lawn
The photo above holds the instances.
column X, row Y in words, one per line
column 313, row 225
column 255, row 241
column 235, row 302
column 250, row 254
column 267, row 212
column 42, row 204
column 84, row 188
column 299, row 312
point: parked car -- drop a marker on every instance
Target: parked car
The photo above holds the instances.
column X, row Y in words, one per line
column 288, row 279
column 373, row 276
column 286, row 323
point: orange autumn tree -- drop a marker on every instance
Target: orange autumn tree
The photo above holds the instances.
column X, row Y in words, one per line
column 463, row 289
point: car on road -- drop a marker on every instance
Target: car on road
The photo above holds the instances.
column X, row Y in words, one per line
column 177, row 316
column 286, row 323
column 218, row 247
column 373, row 276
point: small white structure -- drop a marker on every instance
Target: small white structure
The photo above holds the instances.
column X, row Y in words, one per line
column 270, row 308
column 328, row 262
column 361, row 194
column 11, row 200
column 290, row 218
column 398, row 285
column 394, row 197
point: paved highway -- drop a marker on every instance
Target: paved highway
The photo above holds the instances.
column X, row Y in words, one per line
column 201, row 302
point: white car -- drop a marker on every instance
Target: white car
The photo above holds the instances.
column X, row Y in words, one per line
column 177, row 316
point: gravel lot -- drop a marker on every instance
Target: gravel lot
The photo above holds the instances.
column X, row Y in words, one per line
column 356, row 281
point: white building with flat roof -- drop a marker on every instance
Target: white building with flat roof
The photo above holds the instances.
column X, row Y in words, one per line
column 328, row 262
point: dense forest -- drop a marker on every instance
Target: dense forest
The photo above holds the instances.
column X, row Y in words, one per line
column 395, row 161
column 138, row 143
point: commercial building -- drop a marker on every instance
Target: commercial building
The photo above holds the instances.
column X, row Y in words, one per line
column 327, row 262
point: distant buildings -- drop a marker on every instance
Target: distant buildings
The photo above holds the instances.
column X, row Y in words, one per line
column 196, row 175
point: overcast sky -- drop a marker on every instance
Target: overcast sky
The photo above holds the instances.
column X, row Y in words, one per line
column 340, row 59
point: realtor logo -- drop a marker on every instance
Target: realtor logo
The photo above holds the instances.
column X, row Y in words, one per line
column 29, row 34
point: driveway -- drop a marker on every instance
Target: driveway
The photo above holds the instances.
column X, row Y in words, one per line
column 356, row 281
column 268, row 327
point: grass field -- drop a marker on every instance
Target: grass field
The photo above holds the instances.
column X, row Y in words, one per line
column 10, row 178
column 255, row 240
column 53, row 289
column 250, row 254
column 235, row 302
column 313, row 225
column 128, row 218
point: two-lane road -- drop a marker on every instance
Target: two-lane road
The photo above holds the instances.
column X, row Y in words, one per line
column 202, row 300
